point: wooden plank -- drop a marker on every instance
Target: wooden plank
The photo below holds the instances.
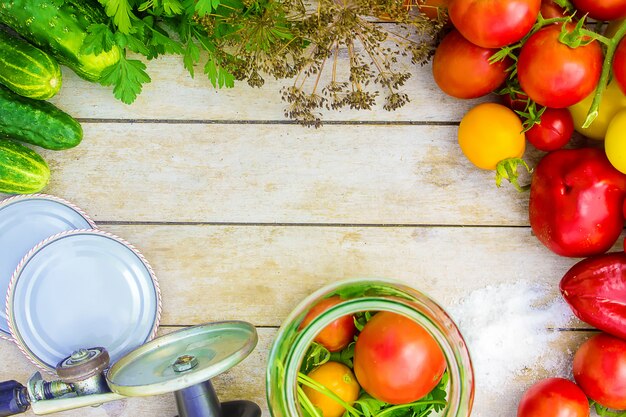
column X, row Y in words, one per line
column 260, row 273
column 173, row 94
column 247, row 381
column 261, row 174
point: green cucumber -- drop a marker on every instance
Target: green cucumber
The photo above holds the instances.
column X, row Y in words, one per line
column 22, row 170
column 27, row 70
column 59, row 27
column 37, row 122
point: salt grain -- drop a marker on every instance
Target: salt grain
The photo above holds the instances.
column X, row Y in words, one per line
column 509, row 330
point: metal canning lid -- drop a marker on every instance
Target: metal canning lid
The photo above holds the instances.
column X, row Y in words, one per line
column 79, row 289
column 24, row 222
column 182, row 359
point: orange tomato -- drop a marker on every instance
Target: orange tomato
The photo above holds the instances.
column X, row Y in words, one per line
column 338, row 378
column 490, row 133
column 337, row 334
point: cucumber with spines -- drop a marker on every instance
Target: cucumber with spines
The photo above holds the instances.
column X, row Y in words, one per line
column 26, row 69
column 60, row 28
column 37, row 122
column 22, row 170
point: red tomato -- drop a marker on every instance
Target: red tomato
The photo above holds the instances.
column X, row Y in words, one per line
column 602, row 9
column 338, row 334
column 554, row 130
column 619, row 65
column 553, row 397
column 462, row 69
column 600, row 370
column 555, row 75
column 494, row 23
column 518, row 102
column 550, row 10
column 432, row 8
column 396, row 360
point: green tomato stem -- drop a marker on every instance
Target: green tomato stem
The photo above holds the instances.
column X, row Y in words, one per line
column 507, row 170
column 605, row 412
column 604, row 77
column 306, row 404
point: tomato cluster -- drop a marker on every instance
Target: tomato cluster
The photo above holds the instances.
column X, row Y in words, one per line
column 392, row 359
column 600, row 375
column 549, row 65
column 559, row 66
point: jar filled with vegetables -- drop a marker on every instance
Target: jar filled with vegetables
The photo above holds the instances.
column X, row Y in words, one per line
column 369, row 348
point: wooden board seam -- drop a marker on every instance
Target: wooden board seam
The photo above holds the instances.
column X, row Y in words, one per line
column 271, row 122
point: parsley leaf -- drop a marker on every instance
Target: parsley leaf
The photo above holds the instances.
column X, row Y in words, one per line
column 99, row 39
column 120, row 11
column 345, row 356
column 204, row 7
column 368, row 405
column 369, row 289
column 163, row 43
column 218, row 76
column 361, row 318
column 191, row 56
column 316, row 355
column 131, row 42
column 126, row 77
column 170, row 7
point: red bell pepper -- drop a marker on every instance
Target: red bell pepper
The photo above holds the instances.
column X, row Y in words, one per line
column 595, row 289
column 577, row 202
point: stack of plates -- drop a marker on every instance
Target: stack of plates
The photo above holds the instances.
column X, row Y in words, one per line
column 69, row 285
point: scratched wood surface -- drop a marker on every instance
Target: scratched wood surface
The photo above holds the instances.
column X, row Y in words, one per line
column 242, row 213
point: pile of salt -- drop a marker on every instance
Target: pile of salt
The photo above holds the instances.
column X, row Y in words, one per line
column 510, row 330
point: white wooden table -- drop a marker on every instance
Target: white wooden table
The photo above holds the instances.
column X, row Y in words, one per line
column 242, row 213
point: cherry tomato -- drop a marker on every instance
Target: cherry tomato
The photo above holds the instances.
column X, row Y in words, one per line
column 600, row 370
column 550, row 10
column 462, row 69
column 338, row 378
column 338, row 334
column 494, row 23
column 553, row 397
column 602, row 9
column 433, row 9
column 619, row 65
column 490, row 133
column 613, row 100
column 396, row 360
column 516, row 102
column 554, row 130
column 615, row 142
column 555, row 75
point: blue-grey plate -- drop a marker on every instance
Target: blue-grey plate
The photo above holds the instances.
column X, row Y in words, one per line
column 24, row 222
column 81, row 289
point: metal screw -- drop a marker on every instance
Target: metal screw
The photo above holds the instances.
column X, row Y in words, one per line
column 79, row 355
column 185, row 363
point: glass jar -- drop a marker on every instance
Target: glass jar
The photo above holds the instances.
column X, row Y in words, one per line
column 292, row 342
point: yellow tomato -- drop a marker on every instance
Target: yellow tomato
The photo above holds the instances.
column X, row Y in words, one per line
column 613, row 100
column 490, row 133
column 615, row 142
column 338, row 378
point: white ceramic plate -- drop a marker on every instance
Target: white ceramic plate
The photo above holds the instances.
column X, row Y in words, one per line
column 24, row 222
column 82, row 289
